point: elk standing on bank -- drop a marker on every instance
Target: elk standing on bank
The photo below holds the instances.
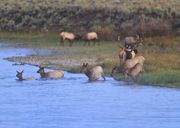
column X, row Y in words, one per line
column 19, row 75
column 52, row 74
column 133, row 72
column 124, row 55
column 90, row 36
column 131, row 67
column 67, row 36
column 93, row 73
column 130, row 63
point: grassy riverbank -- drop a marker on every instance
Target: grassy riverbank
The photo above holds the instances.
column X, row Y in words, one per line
column 162, row 65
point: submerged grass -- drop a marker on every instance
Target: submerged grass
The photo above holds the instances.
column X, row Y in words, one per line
column 162, row 65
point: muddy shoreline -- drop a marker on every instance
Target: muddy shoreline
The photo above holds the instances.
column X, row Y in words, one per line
column 53, row 58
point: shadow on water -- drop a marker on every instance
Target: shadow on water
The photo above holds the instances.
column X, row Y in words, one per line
column 74, row 102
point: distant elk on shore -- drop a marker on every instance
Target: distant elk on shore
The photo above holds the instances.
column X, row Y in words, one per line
column 68, row 36
column 90, row 37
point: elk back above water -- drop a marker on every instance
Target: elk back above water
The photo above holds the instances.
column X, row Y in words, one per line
column 19, row 75
column 52, row 74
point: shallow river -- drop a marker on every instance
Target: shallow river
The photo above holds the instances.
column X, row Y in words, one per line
column 73, row 102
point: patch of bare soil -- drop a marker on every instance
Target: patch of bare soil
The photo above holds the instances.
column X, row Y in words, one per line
column 55, row 59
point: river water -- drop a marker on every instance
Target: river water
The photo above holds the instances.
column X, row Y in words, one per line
column 73, row 102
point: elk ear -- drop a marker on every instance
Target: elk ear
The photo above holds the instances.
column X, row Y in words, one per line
column 17, row 72
column 86, row 64
column 83, row 64
column 22, row 71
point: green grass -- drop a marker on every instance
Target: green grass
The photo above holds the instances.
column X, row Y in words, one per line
column 170, row 78
column 162, row 65
column 31, row 39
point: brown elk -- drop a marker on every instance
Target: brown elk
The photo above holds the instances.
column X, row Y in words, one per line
column 124, row 54
column 52, row 74
column 131, row 67
column 90, row 36
column 93, row 73
column 131, row 42
column 19, row 75
column 133, row 72
column 67, row 36
column 130, row 63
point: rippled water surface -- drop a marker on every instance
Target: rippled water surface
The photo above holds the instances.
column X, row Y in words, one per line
column 73, row 102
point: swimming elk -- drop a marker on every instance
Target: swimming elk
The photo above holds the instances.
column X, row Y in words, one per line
column 52, row 74
column 93, row 73
column 67, row 36
column 19, row 75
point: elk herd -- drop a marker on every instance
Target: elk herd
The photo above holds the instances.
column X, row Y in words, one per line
column 71, row 37
column 131, row 62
